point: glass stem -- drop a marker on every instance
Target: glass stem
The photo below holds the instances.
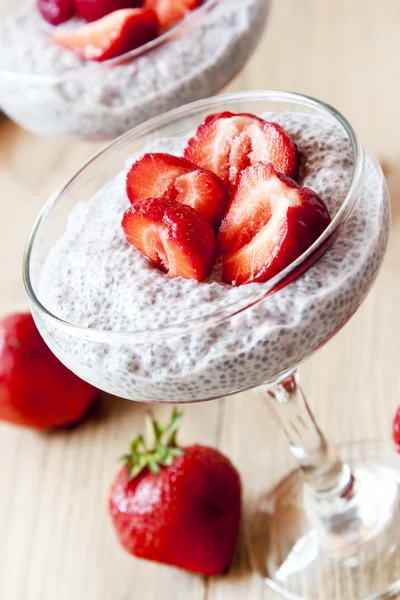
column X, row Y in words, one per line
column 324, row 472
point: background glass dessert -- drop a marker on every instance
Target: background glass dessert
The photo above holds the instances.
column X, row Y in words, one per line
column 50, row 91
column 345, row 515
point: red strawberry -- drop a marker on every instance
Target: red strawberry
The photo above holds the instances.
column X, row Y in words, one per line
column 227, row 143
column 111, row 36
column 36, row 390
column 171, row 11
column 173, row 236
column 396, row 429
column 179, row 506
column 270, row 221
column 163, row 175
column 92, row 10
column 56, row 11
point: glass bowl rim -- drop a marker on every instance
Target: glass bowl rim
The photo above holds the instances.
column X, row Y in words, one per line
column 186, row 24
column 229, row 311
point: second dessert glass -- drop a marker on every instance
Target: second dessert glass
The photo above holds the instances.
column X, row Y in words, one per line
column 196, row 58
column 337, row 517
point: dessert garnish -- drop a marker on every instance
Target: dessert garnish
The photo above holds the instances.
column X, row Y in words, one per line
column 115, row 34
column 91, row 10
column 175, row 237
column 170, row 12
column 177, row 505
column 268, row 222
column 56, row 12
column 159, row 175
column 114, row 26
column 227, row 143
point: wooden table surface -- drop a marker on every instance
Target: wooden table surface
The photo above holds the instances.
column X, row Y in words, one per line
column 56, row 541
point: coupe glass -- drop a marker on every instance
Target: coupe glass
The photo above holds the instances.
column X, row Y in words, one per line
column 103, row 100
column 336, row 517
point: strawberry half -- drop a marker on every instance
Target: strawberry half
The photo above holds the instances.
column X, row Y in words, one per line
column 269, row 223
column 115, row 34
column 173, row 236
column 226, row 144
column 174, row 505
column 163, row 175
column 91, row 10
column 171, row 11
column 56, row 11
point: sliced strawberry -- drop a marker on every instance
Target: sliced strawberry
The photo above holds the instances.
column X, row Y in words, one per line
column 91, row 10
column 226, row 144
column 173, row 236
column 269, row 223
column 56, row 11
column 163, row 175
column 171, row 11
column 111, row 36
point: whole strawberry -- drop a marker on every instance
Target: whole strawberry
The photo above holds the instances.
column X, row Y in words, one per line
column 36, row 389
column 179, row 506
column 396, row 429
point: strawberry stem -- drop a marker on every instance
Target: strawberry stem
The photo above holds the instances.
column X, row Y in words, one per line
column 161, row 449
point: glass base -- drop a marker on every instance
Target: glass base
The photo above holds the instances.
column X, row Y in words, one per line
column 346, row 548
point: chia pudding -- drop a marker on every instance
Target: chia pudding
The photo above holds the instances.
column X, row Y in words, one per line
column 92, row 278
column 50, row 91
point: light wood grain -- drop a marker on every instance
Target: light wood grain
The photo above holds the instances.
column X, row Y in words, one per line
column 55, row 538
